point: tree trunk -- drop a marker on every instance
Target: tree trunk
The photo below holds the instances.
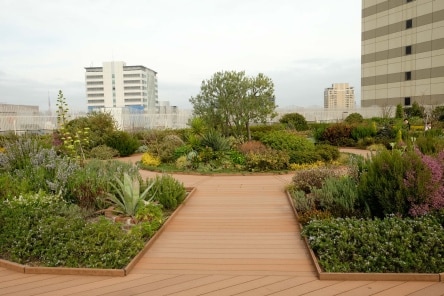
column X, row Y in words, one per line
column 247, row 125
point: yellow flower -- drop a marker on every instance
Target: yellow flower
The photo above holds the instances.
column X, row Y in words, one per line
column 149, row 160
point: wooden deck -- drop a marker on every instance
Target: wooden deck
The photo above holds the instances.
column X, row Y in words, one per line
column 236, row 236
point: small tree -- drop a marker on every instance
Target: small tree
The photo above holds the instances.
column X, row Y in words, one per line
column 230, row 102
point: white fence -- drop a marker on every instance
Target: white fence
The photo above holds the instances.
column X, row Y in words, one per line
column 128, row 121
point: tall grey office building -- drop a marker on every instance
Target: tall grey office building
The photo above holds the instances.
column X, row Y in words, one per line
column 116, row 85
column 402, row 58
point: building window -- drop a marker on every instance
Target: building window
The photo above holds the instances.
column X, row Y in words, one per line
column 407, row 101
column 409, row 24
column 408, row 50
column 94, row 76
column 408, row 75
column 407, row 1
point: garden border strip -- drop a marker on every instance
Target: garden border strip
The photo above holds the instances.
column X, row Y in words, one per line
column 360, row 276
column 97, row 271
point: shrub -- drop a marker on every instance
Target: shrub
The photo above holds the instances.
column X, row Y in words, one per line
column 123, row 142
column 424, row 183
column 182, row 162
column 166, row 190
column 10, row 186
column 268, row 160
column 252, row 146
column 354, row 118
column 88, row 187
column 301, row 157
column 54, row 233
column 389, row 245
column 380, row 185
column 182, row 151
column 307, row 180
column 286, row 141
column 39, row 168
column 142, row 149
column 407, row 183
column 294, row 121
column 327, row 152
column 306, row 217
column 214, row 140
column 166, row 148
column 429, row 144
column 149, row 218
column 366, row 143
column 150, row 160
column 236, row 157
column 363, row 131
column 103, row 152
column 318, row 130
column 257, row 131
column 302, row 202
column 306, row 166
column 100, row 125
column 127, row 197
column 338, row 134
column 385, row 135
column 337, row 196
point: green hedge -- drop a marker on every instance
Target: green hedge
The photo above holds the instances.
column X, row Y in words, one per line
column 392, row 244
column 46, row 231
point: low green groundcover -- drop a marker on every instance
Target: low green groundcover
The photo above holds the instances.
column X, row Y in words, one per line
column 43, row 230
column 392, row 244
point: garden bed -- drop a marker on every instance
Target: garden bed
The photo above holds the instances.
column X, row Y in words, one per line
column 96, row 271
column 359, row 276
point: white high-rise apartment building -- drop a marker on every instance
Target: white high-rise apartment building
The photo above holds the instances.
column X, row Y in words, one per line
column 116, row 85
column 339, row 96
column 402, row 56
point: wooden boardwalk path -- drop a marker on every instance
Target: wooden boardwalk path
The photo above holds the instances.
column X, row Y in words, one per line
column 236, row 236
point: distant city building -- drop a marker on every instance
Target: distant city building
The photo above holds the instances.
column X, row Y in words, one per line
column 21, row 110
column 340, row 95
column 164, row 107
column 116, row 85
column 402, row 58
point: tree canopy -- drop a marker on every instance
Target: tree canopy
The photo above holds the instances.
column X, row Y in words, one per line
column 231, row 101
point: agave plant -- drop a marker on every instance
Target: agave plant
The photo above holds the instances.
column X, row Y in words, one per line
column 128, row 198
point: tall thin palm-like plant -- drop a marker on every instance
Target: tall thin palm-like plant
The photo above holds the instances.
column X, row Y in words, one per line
column 128, row 198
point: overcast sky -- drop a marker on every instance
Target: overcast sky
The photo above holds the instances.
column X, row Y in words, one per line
column 303, row 46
